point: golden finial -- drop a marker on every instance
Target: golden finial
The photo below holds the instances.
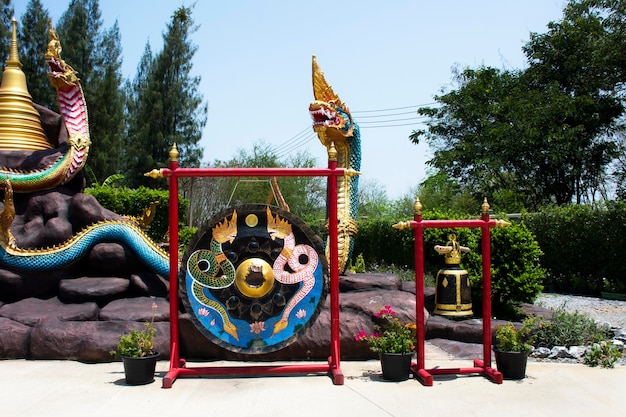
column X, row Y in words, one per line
column 174, row 153
column 485, row 206
column 20, row 125
column 332, row 152
column 417, row 206
column 502, row 223
column 155, row 173
column 402, row 225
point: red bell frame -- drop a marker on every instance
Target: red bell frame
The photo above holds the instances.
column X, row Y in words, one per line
column 178, row 366
column 482, row 367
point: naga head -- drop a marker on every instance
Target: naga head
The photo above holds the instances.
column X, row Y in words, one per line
column 61, row 75
column 332, row 120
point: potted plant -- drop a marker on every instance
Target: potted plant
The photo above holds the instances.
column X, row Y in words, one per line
column 512, row 348
column 136, row 349
column 394, row 342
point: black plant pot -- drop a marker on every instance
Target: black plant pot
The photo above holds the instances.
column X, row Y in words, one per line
column 139, row 371
column 512, row 365
column 396, row 366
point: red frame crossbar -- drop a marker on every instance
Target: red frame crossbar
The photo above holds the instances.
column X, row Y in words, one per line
column 178, row 366
column 418, row 225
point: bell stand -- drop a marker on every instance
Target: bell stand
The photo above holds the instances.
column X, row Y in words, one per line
column 178, row 366
column 418, row 225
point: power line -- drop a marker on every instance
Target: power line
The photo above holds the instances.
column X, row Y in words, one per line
column 394, row 108
column 388, row 114
column 391, row 120
column 307, row 134
column 398, row 125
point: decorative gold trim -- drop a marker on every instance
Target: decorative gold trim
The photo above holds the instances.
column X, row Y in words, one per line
column 417, row 206
column 174, row 153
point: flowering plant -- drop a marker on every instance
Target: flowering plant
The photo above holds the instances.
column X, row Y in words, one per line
column 391, row 336
column 137, row 343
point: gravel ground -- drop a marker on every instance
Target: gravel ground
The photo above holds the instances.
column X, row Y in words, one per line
column 612, row 312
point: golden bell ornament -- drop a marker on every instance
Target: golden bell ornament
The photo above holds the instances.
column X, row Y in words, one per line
column 20, row 125
column 453, row 295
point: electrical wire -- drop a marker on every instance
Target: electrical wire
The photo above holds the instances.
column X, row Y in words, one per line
column 306, row 135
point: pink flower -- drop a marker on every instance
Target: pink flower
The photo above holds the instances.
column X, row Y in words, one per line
column 360, row 336
column 257, row 327
column 386, row 311
column 203, row 312
column 301, row 313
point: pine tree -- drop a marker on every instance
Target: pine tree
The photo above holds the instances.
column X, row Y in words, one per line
column 6, row 14
column 164, row 106
column 33, row 42
column 104, row 158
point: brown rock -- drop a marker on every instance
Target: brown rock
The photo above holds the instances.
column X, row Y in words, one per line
column 148, row 283
column 97, row 289
column 88, row 341
column 136, row 309
column 14, row 339
column 364, row 282
column 33, row 310
column 112, row 258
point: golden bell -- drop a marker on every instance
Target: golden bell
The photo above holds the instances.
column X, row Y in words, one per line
column 20, row 126
column 453, row 295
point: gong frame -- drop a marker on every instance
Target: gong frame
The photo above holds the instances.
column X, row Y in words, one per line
column 178, row 366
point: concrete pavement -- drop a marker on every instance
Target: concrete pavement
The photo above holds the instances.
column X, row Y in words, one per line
column 68, row 388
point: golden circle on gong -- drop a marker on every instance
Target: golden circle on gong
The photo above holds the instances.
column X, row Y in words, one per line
column 252, row 220
column 254, row 277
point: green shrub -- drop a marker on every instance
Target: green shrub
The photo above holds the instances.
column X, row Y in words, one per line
column 516, row 273
column 580, row 245
column 569, row 329
column 132, row 202
column 604, row 354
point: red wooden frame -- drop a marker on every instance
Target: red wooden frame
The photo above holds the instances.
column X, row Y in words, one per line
column 178, row 366
column 482, row 367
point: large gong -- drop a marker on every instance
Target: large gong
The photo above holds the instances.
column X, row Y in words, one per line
column 254, row 278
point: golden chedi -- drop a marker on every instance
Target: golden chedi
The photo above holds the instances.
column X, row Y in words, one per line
column 20, row 126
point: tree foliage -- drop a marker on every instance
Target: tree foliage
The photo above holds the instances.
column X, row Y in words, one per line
column 33, row 43
column 6, row 14
column 540, row 135
column 163, row 106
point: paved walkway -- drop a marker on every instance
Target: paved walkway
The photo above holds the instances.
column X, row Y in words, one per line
column 68, row 388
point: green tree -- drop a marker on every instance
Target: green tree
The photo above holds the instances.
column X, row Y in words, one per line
column 33, row 43
column 108, row 124
column 439, row 192
column 536, row 134
column 164, row 106
column 6, row 14
column 373, row 200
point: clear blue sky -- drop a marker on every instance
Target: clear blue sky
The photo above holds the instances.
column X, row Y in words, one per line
column 254, row 58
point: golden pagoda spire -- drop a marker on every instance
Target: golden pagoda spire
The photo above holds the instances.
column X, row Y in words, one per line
column 20, row 126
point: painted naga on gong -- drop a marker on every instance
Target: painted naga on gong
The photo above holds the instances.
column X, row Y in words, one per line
column 254, row 277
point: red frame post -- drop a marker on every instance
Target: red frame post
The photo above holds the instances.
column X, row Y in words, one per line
column 178, row 367
column 418, row 225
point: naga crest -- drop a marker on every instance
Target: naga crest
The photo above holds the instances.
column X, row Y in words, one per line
column 329, row 113
column 61, row 75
